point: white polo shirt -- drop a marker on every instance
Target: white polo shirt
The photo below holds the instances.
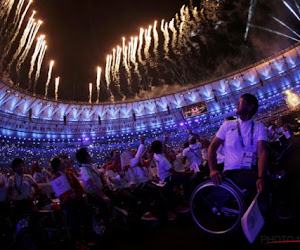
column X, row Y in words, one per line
column 21, row 186
column 194, row 155
column 163, row 166
column 90, row 172
column 233, row 149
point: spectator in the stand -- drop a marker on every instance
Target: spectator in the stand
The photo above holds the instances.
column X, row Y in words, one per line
column 20, row 190
column 143, row 188
column 40, row 175
column 91, row 179
column 192, row 153
column 167, row 174
column 73, row 202
column 245, row 147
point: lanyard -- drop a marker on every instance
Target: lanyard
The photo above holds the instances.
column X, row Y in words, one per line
column 21, row 183
column 240, row 134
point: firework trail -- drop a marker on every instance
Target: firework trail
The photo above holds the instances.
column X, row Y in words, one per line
column 33, row 58
column 39, row 64
column 164, row 29
column 134, row 43
column 125, row 63
column 108, row 70
column 117, row 68
column 291, row 10
column 56, row 88
column 90, row 92
column 29, row 44
column 113, row 65
column 98, row 83
column 297, row 6
column 5, row 10
column 283, row 24
column 16, row 30
column 174, row 34
column 196, row 16
column 141, row 39
column 14, row 24
column 49, row 78
column 274, row 32
column 22, row 42
column 156, row 40
column 250, row 14
column 147, row 42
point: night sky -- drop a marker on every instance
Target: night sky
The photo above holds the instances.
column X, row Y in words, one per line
column 80, row 34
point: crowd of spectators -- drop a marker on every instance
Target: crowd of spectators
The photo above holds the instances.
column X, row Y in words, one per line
column 152, row 182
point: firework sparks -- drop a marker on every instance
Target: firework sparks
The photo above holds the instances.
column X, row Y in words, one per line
column 274, row 32
column 5, row 10
column 34, row 57
column 39, row 64
column 22, row 42
column 30, row 41
column 286, row 26
column 98, row 83
column 291, row 10
column 16, row 31
column 90, row 92
column 49, row 78
column 56, row 88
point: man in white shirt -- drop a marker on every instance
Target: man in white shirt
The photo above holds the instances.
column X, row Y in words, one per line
column 192, row 153
column 167, row 174
column 245, row 146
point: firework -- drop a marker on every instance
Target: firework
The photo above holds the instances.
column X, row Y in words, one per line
column 90, row 92
column 98, row 83
column 49, row 78
column 56, row 88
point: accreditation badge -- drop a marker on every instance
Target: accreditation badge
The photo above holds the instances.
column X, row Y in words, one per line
column 247, row 159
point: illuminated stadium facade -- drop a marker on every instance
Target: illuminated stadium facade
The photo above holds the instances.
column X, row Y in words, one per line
column 41, row 122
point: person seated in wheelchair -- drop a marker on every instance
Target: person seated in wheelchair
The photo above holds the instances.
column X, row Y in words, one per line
column 245, row 148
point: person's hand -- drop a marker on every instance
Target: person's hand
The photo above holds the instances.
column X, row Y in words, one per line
column 260, row 183
column 216, row 177
column 142, row 138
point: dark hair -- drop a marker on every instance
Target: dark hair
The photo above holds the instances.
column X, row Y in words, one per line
column 16, row 163
column 55, row 162
column 157, row 147
column 82, row 155
column 251, row 99
column 186, row 144
column 230, row 118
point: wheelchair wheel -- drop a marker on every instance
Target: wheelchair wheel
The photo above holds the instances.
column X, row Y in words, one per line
column 217, row 209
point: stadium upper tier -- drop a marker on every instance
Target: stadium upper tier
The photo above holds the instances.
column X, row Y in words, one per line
column 201, row 107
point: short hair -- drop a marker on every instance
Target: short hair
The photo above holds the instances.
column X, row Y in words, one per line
column 230, row 118
column 251, row 99
column 15, row 163
column 186, row 144
column 55, row 162
column 157, row 147
column 82, row 155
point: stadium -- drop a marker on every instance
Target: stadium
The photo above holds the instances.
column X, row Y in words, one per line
column 37, row 127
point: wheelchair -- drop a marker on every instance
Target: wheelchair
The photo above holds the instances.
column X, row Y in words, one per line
column 218, row 209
